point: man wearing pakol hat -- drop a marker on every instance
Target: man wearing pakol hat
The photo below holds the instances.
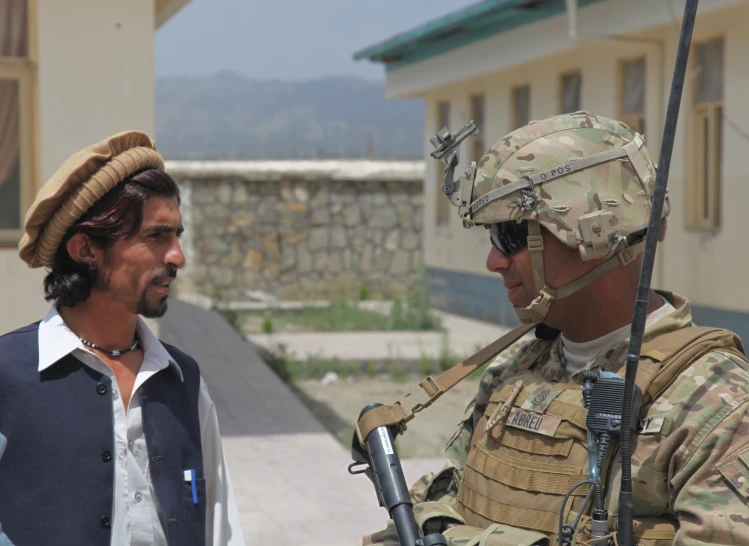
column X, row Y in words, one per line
column 112, row 436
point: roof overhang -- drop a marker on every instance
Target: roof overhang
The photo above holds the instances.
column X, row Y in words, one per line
column 477, row 22
column 165, row 9
column 463, row 58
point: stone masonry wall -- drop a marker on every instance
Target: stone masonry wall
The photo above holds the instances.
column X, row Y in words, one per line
column 315, row 234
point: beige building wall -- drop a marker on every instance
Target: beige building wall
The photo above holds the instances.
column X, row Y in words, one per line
column 95, row 78
column 708, row 268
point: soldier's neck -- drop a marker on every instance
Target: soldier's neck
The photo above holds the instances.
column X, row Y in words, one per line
column 587, row 319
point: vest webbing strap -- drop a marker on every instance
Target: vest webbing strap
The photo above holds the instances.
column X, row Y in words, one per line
column 430, row 389
column 515, row 516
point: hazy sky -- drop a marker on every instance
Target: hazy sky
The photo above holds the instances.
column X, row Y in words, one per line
column 286, row 39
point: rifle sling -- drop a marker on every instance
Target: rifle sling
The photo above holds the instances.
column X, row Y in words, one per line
column 430, row 389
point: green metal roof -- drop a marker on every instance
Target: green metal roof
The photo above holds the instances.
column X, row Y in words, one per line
column 476, row 22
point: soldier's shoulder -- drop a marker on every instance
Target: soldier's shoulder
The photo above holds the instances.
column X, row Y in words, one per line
column 720, row 366
column 506, row 363
column 714, row 380
column 513, row 353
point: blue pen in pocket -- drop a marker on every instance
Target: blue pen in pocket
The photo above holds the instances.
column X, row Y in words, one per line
column 190, row 476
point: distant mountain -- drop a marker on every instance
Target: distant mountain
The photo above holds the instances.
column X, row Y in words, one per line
column 228, row 116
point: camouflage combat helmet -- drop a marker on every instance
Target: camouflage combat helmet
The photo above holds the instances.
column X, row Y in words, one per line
column 585, row 178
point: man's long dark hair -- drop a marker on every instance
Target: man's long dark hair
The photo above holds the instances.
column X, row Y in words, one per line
column 117, row 215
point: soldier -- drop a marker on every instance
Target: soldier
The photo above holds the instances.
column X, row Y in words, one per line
column 566, row 202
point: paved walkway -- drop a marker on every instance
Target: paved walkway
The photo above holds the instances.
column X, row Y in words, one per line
column 289, row 475
column 464, row 337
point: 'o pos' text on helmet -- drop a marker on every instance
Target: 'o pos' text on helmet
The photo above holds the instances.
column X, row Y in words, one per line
column 585, row 178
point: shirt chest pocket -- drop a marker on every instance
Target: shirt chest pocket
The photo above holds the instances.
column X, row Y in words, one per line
column 556, row 428
column 194, row 492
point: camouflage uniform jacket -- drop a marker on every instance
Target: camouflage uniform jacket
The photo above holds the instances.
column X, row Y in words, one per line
column 694, row 470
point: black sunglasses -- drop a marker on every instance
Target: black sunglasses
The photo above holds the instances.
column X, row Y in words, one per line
column 508, row 237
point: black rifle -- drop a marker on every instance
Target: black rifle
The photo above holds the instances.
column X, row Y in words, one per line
column 624, row 529
column 384, row 468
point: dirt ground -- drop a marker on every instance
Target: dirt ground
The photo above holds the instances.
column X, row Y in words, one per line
column 338, row 405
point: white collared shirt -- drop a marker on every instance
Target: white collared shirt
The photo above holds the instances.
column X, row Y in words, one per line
column 137, row 519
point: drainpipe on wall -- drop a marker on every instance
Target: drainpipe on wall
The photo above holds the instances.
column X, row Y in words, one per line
column 572, row 17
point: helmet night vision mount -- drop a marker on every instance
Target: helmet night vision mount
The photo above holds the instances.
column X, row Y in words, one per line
column 447, row 149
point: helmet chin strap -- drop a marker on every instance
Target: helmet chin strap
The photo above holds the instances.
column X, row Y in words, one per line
column 536, row 312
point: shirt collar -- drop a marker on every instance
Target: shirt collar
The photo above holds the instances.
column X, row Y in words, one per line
column 611, row 359
column 56, row 341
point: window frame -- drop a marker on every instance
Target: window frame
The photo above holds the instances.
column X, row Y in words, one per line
column 704, row 181
column 24, row 71
column 477, row 141
column 513, row 102
column 635, row 121
column 561, row 90
column 704, row 193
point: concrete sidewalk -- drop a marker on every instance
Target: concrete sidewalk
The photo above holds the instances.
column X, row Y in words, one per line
column 289, row 474
column 464, row 337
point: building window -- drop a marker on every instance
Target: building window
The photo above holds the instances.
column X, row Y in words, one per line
column 16, row 73
column 706, row 137
column 443, row 204
column 633, row 94
column 521, row 106
column 477, row 115
column 570, row 96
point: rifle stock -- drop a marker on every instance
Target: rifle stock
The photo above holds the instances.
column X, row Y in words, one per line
column 386, row 473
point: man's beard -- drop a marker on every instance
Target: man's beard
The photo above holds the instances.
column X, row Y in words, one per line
column 147, row 309
column 143, row 306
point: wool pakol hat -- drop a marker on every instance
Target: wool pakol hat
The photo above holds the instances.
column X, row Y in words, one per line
column 79, row 183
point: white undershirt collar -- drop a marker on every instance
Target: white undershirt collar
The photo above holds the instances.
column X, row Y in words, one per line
column 578, row 355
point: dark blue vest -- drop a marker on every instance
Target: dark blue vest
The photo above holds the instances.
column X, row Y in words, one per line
column 57, row 473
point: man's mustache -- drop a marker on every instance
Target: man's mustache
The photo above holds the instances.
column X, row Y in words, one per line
column 168, row 273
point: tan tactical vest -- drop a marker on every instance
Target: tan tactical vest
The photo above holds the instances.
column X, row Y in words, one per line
column 518, row 472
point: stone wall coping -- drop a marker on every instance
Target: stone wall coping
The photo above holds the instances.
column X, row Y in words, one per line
column 262, row 171
column 205, row 302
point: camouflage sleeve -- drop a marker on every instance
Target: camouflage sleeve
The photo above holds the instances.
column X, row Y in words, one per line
column 708, row 447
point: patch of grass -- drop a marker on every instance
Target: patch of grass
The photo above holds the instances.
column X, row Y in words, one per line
column 267, row 324
column 419, row 312
column 234, row 318
column 412, row 314
column 363, row 292
column 339, row 316
column 447, row 358
column 426, row 365
column 281, row 361
column 395, row 371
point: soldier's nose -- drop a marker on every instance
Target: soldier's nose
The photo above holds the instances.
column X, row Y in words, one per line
column 496, row 262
